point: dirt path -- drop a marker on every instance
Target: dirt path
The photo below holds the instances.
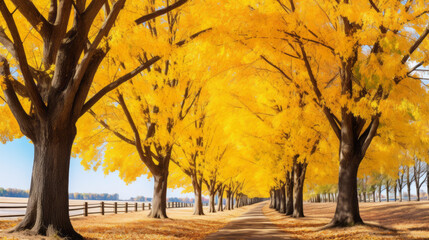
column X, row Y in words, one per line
column 252, row 225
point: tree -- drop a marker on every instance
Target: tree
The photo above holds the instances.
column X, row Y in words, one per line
column 353, row 70
column 49, row 91
column 419, row 175
column 146, row 114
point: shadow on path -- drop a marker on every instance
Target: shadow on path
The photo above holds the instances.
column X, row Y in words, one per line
column 252, row 225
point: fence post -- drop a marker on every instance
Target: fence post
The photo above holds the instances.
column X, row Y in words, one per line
column 102, row 208
column 86, row 209
column 116, row 208
column 126, row 207
column 136, row 207
column 149, row 206
column 143, row 206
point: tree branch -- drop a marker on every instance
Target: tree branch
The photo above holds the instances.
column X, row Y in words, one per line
column 104, row 30
column 13, row 102
column 33, row 16
column 331, row 117
column 160, row 12
column 91, row 102
column 367, row 136
column 33, row 93
column 146, row 157
column 106, row 126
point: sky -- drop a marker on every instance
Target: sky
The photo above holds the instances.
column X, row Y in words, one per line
column 16, row 162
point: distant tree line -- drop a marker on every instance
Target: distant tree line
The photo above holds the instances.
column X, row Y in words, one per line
column 94, row 196
column 12, row 192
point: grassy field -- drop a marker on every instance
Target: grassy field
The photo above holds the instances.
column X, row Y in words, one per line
column 406, row 220
column 180, row 225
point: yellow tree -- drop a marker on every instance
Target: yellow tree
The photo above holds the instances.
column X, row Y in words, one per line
column 146, row 114
column 352, row 58
column 54, row 49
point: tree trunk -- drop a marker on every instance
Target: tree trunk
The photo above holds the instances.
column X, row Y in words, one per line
column 228, row 199
column 48, row 204
column 347, row 210
column 159, row 201
column 364, row 197
column 373, row 196
column 387, row 191
column 212, row 208
column 379, row 193
column 271, row 198
column 289, row 189
column 408, row 183
column 282, row 199
column 409, row 192
column 418, row 190
column 427, row 180
column 275, row 199
column 196, row 184
column 279, row 200
column 394, row 191
column 298, row 188
column 220, row 203
column 232, row 200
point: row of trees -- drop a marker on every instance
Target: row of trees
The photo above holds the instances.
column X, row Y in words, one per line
column 13, row 192
column 238, row 99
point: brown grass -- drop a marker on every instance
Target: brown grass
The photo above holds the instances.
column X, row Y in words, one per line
column 180, row 225
column 407, row 220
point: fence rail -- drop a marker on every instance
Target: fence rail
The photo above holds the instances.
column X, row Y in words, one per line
column 87, row 209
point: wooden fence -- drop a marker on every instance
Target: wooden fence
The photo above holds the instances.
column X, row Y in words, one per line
column 93, row 208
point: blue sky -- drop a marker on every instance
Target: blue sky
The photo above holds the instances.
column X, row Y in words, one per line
column 16, row 161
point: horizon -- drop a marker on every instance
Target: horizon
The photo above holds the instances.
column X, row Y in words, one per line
column 17, row 174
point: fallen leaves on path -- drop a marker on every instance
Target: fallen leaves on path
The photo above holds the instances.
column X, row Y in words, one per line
column 406, row 220
column 181, row 225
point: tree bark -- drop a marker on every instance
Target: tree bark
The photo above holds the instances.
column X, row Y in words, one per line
column 232, row 200
column 289, row 189
column 387, row 190
column 282, row 199
column 409, row 181
column 427, row 180
column 220, row 200
column 275, row 199
column 212, row 208
column 298, row 188
column 278, row 199
column 228, row 199
column 197, row 184
column 379, row 193
column 271, row 198
column 159, row 201
column 48, row 204
column 394, row 191
column 347, row 210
